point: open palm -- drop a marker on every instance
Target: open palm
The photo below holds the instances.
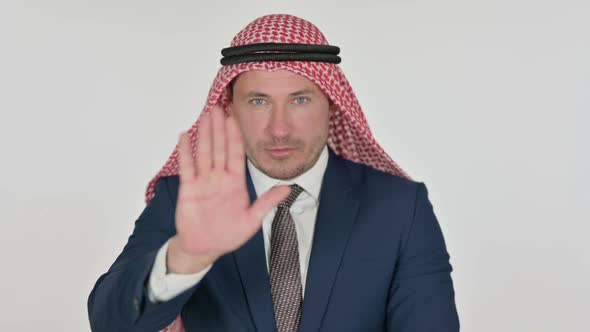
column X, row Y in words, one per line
column 213, row 212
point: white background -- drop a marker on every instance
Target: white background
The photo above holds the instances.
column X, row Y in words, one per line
column 485, row 101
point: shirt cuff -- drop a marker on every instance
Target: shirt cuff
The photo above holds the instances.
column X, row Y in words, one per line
column 164, row 286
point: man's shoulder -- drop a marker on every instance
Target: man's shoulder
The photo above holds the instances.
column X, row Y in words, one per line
column 170, row 183
column 170, row 180
column 383, row 195
column 380, row 182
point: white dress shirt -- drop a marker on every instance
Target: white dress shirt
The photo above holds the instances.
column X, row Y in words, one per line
column 164, row 286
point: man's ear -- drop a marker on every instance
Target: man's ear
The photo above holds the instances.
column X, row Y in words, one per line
column 332, row 106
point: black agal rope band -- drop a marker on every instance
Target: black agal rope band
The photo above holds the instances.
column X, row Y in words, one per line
column 281, row 47
column 280, row 52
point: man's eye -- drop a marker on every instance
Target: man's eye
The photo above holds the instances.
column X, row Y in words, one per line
column 301, row 100
column 257, row 101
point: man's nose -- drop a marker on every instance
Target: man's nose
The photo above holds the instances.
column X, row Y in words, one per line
column 279, row 124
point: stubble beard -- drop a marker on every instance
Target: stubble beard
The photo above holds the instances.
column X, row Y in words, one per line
column 283, row 169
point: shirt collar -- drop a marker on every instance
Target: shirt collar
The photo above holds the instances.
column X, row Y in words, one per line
column 310, row 181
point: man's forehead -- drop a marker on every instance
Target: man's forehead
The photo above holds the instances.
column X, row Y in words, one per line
column 280, row 81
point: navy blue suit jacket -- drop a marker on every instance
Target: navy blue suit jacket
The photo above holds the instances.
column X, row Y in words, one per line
column 378, row 263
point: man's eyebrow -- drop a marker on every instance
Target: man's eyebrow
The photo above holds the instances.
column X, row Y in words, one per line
column 302, row 92
column 255, row 94
column 258, row 94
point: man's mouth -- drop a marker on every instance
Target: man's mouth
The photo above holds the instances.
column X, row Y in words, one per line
column 281, row 152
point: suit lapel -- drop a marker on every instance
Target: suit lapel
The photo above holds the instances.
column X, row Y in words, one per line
column 250, row 261
column 336, row 215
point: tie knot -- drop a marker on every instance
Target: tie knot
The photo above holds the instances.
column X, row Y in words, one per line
column 287, row 202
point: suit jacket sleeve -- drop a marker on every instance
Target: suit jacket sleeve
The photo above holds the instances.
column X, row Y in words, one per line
column 118, row 301
column 422, row 297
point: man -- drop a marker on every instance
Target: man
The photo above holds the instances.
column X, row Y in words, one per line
column 278, row 211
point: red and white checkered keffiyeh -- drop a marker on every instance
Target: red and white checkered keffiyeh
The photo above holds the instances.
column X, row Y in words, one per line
column 349, row 134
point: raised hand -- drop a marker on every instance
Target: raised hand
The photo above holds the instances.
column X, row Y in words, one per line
column 213, row 212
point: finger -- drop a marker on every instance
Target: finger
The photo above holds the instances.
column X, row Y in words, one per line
column 204, row 146
column 186, row 166
column 266, row 202
column 235, row 147
column 218, row 127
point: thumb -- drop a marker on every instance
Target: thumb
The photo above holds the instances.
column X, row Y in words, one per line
column 266, row 202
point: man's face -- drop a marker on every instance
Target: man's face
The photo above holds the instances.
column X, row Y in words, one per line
column 283, row 118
